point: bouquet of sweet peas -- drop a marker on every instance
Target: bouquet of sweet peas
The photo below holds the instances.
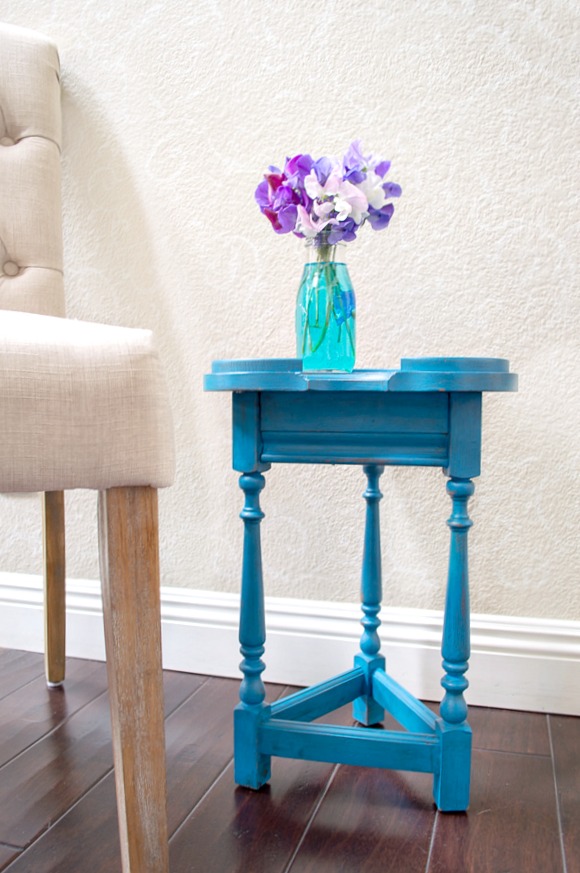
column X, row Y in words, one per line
column 329, row 199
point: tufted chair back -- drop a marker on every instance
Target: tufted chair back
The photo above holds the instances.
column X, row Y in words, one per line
column 31, row 277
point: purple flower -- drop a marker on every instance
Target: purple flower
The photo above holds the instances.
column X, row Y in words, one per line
column 278, row 201
column 382, row 168
column 283, row 196
column 354, row 163
column 391, row 189
column 325, row 198
column 274, row 180
column 357, row 165
column 323, row 167
column 261, row 195
column 379, row 218
column 297, row 168
column 282, row 221
column 344, row 231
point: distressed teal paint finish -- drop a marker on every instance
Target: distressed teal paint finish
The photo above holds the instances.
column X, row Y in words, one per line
column 427, row 413
column 366, row 709
column 312, row 703
column 452, row 778
column 252, row 766
column 456, row 646
column 464, row 447
column 247, row 432
column 414, row 374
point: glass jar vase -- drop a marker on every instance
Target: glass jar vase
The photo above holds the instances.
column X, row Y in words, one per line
column 325, row 312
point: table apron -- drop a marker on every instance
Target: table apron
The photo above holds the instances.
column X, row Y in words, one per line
column 409, row 449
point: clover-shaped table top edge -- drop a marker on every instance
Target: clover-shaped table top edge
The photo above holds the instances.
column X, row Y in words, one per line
column 414, row 374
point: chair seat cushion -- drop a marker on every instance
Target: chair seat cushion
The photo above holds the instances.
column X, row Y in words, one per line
column 81, row 406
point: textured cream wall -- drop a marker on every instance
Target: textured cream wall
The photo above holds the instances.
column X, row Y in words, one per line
column 172, row 110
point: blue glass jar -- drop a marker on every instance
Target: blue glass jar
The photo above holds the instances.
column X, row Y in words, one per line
column 325, row 312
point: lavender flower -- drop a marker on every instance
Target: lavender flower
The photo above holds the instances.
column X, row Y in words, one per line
column 326, row 200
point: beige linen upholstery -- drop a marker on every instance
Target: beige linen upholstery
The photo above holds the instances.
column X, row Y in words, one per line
column 83, row 406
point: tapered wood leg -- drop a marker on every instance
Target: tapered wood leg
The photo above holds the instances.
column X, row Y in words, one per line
column 54, row 586
column 129, row 553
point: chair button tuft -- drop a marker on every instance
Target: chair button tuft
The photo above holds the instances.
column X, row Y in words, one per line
column 10, row 268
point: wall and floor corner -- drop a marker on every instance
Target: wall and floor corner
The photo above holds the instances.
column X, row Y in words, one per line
column 476, row 106
column 517, row 663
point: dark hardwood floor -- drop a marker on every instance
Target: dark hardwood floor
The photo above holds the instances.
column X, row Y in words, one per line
column 57, row 800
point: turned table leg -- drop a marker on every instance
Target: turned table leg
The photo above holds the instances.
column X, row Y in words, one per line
column 366, row 710
column 252, row 769
column 451, row 787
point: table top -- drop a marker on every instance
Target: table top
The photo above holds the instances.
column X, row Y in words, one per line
column 414, row 374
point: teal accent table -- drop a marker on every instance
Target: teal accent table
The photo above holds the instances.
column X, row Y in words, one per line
column 426, row 414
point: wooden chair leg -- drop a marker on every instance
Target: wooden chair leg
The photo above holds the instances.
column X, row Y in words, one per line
column 54, row 586
column 129, row 553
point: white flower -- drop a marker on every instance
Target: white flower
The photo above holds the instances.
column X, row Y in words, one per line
column 336, row 195
column 306, row 224
column 316, row 191
column 372, row 188
column 324, row 208
column 356, row 199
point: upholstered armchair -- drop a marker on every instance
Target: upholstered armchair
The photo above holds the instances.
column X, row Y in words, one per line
column 82, row 406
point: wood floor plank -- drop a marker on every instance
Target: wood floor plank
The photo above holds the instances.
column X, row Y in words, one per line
column 508, row 731
column 504, row 730
column 86, row 840
column 41, row 785
column 59, row 793
column 566, row 743
column 199, row 739
column 511, row 825
column 371, row 821
column 238, row 830
column 199, row 746
column 18, row 668
column 178, row 687
column 34, row 710
column 7, row 854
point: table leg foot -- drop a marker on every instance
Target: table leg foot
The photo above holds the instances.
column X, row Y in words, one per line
column 452, row 779
column 251, row 768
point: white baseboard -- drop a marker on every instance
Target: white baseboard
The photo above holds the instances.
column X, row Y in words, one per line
column 516, row 663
